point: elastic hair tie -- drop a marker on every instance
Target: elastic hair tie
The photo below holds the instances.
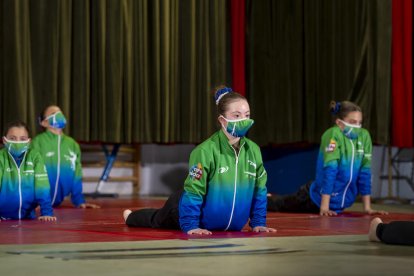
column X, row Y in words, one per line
column 221, row 92
column 336, row 109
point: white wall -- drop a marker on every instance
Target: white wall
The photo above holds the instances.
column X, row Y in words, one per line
column 163, row 170
column 380, row 188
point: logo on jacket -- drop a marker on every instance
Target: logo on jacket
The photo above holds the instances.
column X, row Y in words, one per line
column 360, row 147
column 223, row 169
column 250, row 174
column 72, row 159
column 331, row 147
column 50, row 154
column 196, row 172
column 251, row 163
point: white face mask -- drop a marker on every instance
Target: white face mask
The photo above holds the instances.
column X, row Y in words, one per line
column 350, row 130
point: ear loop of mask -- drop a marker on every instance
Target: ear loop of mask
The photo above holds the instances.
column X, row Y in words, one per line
column 350, row 125
column 15, row 142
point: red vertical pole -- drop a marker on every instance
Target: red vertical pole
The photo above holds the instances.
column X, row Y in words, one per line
column 402, row 70
column 238, row 48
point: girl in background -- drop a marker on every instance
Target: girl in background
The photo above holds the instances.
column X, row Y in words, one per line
column 343, row 169
column 23, row 179
column 62, row 157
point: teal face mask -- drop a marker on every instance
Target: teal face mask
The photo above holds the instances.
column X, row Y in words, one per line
column 238, row 128
column 16, row 148
column 57, row 120
column 351, row 131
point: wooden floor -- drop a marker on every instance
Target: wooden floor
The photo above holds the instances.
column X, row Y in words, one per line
column 106, row 224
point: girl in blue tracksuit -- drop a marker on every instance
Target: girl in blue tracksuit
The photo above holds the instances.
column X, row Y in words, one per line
column 226, row 183
column 62, row 158
column 343, row 169
column 23, row 179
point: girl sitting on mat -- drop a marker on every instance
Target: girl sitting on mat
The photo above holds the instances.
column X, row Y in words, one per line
column 343, row 169
column 226, row 183
column 23, row 179
column 62, row 157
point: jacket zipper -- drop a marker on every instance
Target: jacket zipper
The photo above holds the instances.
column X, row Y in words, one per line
column 58, row 171
column 352, row 171
column 235, row 185
column 20, row 183
column 20, row 193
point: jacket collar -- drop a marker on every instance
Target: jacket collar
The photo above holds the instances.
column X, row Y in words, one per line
column 225, row 145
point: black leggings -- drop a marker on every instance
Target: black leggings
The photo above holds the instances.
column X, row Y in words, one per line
column 299, row 202
column 166, row 217
column 396, row 232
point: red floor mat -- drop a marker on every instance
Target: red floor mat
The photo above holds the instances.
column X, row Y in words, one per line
column 106, row 225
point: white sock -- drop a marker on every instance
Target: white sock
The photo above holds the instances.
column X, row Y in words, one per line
column 126, row 214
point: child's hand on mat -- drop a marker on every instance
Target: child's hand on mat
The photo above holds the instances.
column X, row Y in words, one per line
column 376, row 212
column 263, row 229
column 327, row 212
column 199, row 231
column 89, row 205
column 47, row 218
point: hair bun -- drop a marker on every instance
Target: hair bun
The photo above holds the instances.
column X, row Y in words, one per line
column 221, row 92
column 335, row 107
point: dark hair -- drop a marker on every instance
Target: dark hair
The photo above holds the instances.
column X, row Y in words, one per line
column 16, row 123
column 340, row 110
column 224, row 96
column 41, row 116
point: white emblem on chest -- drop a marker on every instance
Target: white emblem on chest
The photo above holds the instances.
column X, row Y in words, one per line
column 223, row 169
column 72, row 158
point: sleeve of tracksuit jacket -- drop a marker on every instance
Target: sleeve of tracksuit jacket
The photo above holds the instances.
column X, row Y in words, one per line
column 364, row 178
column 76, row 194
column 259, row 204
column 195, row 187
column 42, row 186
column 331, row 154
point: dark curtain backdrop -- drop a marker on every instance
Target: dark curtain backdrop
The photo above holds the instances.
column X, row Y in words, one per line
column 141, row 70
column 121, row 70
column 305, row 53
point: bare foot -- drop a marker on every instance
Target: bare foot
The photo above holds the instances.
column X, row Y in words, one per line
column 126, row 214
column 372, row 234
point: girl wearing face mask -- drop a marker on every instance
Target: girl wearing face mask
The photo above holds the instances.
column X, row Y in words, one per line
column 343, row 169
column 23, row 179
column 226, row 183
column 62, row 157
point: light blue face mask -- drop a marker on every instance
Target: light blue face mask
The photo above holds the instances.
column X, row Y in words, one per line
column 351, row 131
column 238, row 128
column 57, row 120
column 16, row 148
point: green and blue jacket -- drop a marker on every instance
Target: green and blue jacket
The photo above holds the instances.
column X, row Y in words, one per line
column 62, row 157
column 343, row 168
column 224, row 188
column 23, row 187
